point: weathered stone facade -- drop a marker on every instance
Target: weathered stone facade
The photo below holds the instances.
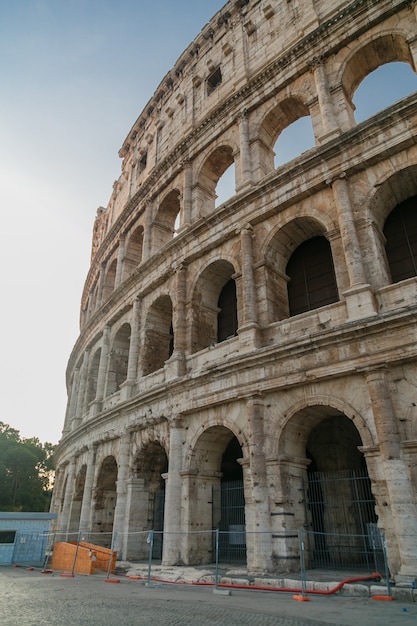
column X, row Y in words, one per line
column 278, row 328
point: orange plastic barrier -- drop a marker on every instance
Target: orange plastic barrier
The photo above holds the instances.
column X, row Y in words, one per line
column 82, row 559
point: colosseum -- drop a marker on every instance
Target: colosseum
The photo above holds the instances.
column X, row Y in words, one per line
column 248, row 363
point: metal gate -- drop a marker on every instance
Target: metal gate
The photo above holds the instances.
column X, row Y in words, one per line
column 229, row 518
column 341, row 520
column 158, row 523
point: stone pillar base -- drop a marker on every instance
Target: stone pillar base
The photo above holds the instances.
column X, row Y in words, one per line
column 406, row 580
column 175, row 367
column 360, row 302
column 249, row 336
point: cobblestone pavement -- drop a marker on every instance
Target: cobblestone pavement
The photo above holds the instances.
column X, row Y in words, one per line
column 29, row 598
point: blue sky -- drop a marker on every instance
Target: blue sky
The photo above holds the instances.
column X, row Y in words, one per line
column 75, row 76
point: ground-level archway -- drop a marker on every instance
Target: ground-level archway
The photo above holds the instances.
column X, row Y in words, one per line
column 337, row 508
column 104, row 503
column 216, row 498
column 145, row 501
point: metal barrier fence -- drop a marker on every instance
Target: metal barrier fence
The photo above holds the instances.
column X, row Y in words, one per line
column 219, row 551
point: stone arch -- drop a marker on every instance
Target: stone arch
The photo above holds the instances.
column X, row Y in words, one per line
column 368, row 56
column 119, row 357
column 279, row 117
column 104, row 502
column 93, row 375
column 146, row 499
column 317, row 407
column 209, row 174
column 204, row 302
column 133, row 253
column 164, row 224
column 214, row 469
column 110, row 280
column 77, row 499
column 277, row 254
column 312, row 280
column 400, row 232
column 320, row 451
column 388, row 193
column 159, row 335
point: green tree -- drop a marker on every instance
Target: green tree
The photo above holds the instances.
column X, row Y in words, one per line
column 26, row 472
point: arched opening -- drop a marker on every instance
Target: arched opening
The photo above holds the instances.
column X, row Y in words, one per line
column 337, row 507
column 104, row 503
column 164, row 226
column 340, row 505
column 229, row 506
column 217, row 498
column 227, row 316
column 387, row 49
column 211, row 190
column 159, row 335
column 285, row 133
column 109, row 281
column 295, row 139
column 76, row 503
column 93, row 376
column 225, row 187
column 214, row 306
column 383, row 87
column 133, row 253
column 312, row 281
column 119, row 357
column 146, row 500
column 400, row 232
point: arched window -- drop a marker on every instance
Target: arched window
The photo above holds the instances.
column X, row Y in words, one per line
column 159, row 341
column 225, row 187
column 312, row 281
column 295, row 139
column 400, row 231
column 382, row 88
column 227, row 317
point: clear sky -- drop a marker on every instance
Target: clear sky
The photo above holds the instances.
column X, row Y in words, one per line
column 75, row 74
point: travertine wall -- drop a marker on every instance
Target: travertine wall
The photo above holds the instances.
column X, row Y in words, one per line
column 155, row 398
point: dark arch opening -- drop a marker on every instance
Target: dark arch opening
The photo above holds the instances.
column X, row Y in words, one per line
column 312, row 280
column 340, row 507
column 400, row 232
column 227, row 317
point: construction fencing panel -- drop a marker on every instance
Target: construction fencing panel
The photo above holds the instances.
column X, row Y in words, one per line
column 30, row 548
column 219, row 551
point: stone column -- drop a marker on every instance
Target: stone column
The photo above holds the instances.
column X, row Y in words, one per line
column 329, row 123
column 132, row 366
column 120, row 261
column 101, row 283
column 147, row 234
column 245, row 156
column 401, row 498
column 85, row 515
column 248, row 326
column 72, row 401
column 412, row 42
column 187, row 195
column 249, row 291
column 173, row 502
column 359, row 298
column 259, row 549
column 175, row 367
column 132, row 179
column 69, row 489
column 120, row 524
column 102, row 368
column 82, row 388
column 90, row 308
